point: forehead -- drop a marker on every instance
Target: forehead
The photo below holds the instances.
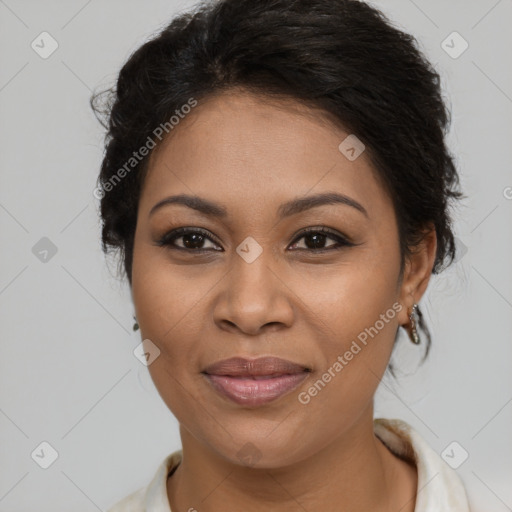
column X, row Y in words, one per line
column 242, row 149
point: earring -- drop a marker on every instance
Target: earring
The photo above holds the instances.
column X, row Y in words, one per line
column 414, row 319
column 135, row 325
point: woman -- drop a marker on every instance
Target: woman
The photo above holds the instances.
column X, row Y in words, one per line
column 277, row 183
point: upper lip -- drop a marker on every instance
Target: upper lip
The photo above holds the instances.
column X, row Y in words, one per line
column 240, row 366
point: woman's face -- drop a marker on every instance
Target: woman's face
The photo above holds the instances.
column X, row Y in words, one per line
column 253, row 285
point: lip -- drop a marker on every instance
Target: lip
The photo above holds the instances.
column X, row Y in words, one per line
column 262, row 366
column 255, row 382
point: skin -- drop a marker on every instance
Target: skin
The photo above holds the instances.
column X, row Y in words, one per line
column 251, row 155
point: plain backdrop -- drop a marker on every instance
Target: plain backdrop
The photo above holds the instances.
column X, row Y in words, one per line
column 68, row 374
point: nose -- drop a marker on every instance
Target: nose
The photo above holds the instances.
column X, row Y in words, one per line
column 253, row 298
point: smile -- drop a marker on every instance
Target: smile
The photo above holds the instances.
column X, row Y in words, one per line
column 253, row 391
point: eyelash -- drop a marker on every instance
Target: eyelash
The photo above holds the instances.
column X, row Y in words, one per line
column 168, row 239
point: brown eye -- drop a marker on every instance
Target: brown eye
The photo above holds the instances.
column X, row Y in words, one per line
column 192, row 240
column 316, row 238
column 197, row 240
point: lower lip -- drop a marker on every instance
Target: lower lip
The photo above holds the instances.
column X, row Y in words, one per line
column 250, row 392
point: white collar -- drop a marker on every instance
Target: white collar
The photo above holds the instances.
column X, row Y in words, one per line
column 440, row 488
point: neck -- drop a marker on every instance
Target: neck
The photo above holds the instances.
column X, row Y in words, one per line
column 354, row 472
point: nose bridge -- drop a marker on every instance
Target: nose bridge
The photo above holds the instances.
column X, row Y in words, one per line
column 252, row 294
column 252, row 274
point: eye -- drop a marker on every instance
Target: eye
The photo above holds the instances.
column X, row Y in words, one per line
column 192, row 240
column 315, row 239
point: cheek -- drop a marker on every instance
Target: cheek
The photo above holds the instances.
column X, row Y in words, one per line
column 166, row 296
column 356, row 349
column 167, row 311
column 350, row 297
column 357, row 334
column 358, row 308
column 167, row 306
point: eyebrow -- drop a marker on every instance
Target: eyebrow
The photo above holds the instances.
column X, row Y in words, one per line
column 287, row 209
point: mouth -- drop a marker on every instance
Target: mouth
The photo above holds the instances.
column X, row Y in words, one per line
column 256, row 382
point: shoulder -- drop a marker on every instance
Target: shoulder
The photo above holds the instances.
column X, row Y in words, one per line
column 439, row 486
column 134, row 502
column 154, row 496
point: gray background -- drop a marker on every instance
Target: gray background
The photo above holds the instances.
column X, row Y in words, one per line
column 68, row 374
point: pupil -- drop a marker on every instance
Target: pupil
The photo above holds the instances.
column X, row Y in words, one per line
column 192, row 240
column 317, row 239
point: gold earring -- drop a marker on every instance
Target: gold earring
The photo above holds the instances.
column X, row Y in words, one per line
column 414, row 319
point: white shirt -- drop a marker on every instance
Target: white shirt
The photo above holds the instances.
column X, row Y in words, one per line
column 439, row 487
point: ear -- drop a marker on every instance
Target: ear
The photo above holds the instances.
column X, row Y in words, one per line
column 417, row 272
